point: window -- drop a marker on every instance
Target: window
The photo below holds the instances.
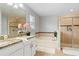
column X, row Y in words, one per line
column 32, row 22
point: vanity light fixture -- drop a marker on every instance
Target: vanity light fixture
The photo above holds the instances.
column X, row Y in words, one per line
column 16, row 5
column 10, row 4
column 13, row 4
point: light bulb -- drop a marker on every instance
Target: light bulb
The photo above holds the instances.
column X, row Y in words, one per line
column 15, row 6
column 21, row 5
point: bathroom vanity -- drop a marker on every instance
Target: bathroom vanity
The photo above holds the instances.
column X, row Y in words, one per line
column 16, row 45
column 19, row 46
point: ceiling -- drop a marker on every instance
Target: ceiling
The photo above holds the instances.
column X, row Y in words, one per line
column 57, row 9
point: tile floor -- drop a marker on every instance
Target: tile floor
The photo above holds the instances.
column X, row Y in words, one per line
column 47, row 47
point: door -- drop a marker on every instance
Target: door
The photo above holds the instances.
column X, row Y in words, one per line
column 70, row 32
column 66, row 37
column 66, row 31
column 65, row 21
column 75, row 40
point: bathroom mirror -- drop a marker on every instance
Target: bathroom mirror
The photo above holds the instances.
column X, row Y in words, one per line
column 11, row 16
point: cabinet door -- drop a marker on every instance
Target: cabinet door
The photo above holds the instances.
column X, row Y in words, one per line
column 66, row 21
column 66, row 37
column 27, row 50
column 75, row 41
column 18, row 52
column 6, row 51
column 11, row 19
column 33, row 45
column 75, row 21
column 33, row 48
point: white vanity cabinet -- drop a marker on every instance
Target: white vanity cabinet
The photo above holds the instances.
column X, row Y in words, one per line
column 10, row 50
column 18, row 52
column 33, row 45
column 30, row 47
column 25, row 48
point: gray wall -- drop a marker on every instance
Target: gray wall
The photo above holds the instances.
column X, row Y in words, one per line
column 0, row 22
column 48, row 23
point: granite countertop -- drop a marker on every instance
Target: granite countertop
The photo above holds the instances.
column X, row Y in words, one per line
column 5, row 43
column 11, row 41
